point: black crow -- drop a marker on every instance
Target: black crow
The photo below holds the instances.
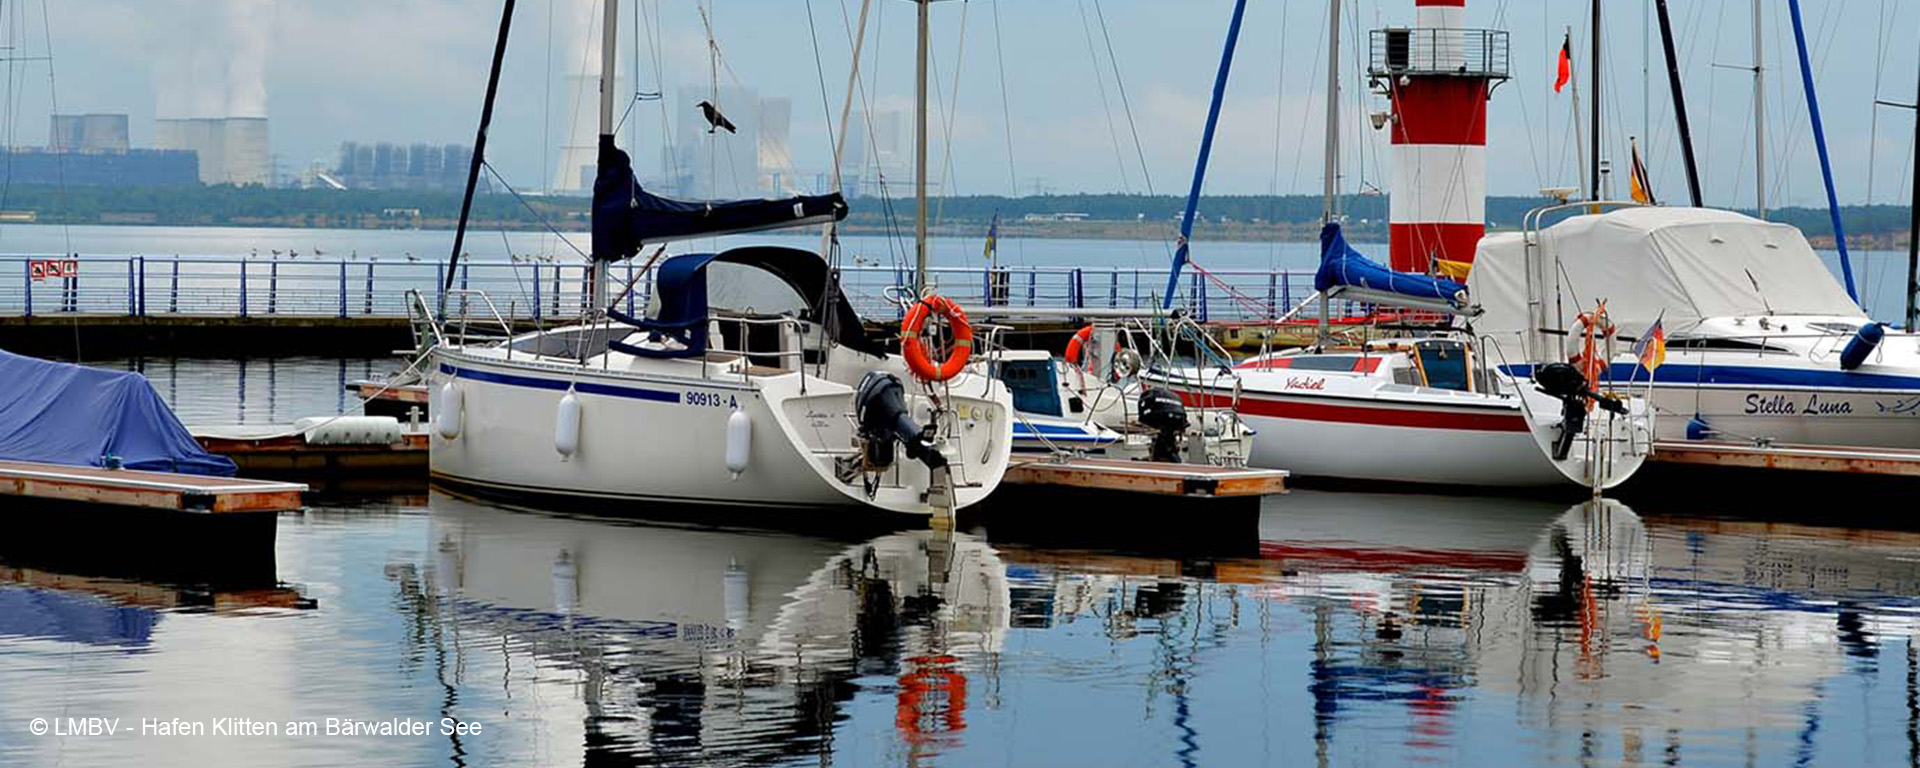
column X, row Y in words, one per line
column 715, row 120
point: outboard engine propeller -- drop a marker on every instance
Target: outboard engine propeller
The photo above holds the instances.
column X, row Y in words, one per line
column 1567, row 384
column 880, row 407
column 1162, row 412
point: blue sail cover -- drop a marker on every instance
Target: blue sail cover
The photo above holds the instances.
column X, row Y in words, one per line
column 626, row 217
column 62, row 413
column 1343, row 267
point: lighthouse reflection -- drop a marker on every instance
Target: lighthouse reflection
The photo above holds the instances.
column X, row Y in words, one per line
column 1368, row 628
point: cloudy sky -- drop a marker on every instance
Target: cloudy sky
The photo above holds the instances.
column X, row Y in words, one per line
column 415, row 70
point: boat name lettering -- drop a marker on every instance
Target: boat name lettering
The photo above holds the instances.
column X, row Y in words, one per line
column 697, row 397
column 1781, row 405
column 1905, row 405
column 1306, row 382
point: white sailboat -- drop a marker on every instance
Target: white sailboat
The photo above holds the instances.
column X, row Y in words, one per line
column 768, row 393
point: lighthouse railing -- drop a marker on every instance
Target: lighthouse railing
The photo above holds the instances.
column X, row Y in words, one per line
column 1461, row 52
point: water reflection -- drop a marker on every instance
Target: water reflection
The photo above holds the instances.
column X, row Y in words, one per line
column 1362, row 629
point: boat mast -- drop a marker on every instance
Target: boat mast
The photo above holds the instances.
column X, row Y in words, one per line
column 1206, row 150
column 1594, row 161
column 1913, row 227
column 920, row 153
column 1679, row 102
column 1330, row 207
column 1820, row 144
column 1759, row 122
column 609, row 24
column 479, row 153
column 1573, row 107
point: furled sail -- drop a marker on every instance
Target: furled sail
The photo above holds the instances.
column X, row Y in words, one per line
column 1344, row 270
column 626, row 217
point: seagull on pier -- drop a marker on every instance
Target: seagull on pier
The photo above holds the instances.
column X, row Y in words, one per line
column 715, row 120
column 318, row 252
column 253, row 254
column 276, row 253
column 411, row 257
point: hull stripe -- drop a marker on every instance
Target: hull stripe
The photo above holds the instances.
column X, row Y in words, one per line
column 592, row 388
column 1687, row 374
column 1413, row 417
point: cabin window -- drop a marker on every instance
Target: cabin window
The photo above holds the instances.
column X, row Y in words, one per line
column 1445, row 366
column 1348, row 363
column 1723, row 345
column 1034, row 388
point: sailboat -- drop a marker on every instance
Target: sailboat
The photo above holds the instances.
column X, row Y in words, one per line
column 774, row 398
column 1428, row 407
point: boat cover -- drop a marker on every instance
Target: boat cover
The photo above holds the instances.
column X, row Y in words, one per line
column 62, row 413
column 1343, row 267
column 1688, row 263
column 626, row 217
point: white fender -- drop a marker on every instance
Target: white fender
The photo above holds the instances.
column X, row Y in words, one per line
column 739, row 442
column 447, row 413
column 566, row 426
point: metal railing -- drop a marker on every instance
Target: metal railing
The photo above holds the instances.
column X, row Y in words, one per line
column 206, row 286
column 1469, row 52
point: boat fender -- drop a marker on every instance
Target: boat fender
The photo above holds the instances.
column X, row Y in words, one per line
column 1862, row 345
column 880, row 409
column 447, row 413
column 566, row 425
column 739, row 442
column 1698, row 429
column 350, row 430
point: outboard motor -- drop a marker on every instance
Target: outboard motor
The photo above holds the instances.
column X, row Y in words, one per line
column 880, row 406
column 1861, row 345
column 1567, row 384
column 1162, row 412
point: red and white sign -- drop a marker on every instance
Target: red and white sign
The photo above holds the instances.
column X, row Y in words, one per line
column 42, row 269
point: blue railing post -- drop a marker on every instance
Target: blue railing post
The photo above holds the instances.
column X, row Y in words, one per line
column 1033, row 288
column 1199, row 300
column 273, row 286
column 343, row 289
column 439, row 290
column 243, row 289
column 986, row 285
column 133, row 305
column 26, row 279
column 1272, row 296
column 536, row 289
column 1113, row 288
column 630, row 290
column 173, row 290
column 1286, row 290
column 557, row 269
column 1077, row 291
column 369, row 288
column 143, row 285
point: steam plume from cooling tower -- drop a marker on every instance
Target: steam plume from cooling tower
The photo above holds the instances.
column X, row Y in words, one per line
column 216, row 62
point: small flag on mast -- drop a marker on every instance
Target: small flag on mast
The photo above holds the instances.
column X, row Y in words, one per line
column 993, row 239
column 1566, row 64
column 1638, row 184
column 1651, row 349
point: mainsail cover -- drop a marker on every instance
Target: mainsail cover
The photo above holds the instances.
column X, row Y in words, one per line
column 60, row 413
column 1343, row 267
column 626, row 217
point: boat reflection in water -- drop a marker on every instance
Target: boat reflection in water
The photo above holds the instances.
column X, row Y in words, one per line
column 1370, row 628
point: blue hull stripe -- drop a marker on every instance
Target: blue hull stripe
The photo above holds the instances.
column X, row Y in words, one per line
column 591, row 388
column 1682, row 374
column 1058, row 433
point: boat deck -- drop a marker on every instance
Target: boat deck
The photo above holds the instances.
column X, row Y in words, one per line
column 147, row 490
column 1146, row 477
column 1890, row 462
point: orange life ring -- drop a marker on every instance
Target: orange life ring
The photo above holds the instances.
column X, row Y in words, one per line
column 1078, row 344
column 1593, row 326
column 915, row 350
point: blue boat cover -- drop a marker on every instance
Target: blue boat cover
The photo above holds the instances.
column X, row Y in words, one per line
column 62, row 413
column 625, row 216
column 1342, row 266
column 682, row 289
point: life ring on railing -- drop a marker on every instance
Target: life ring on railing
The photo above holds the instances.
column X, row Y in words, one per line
column 1590, row 360
column 918, row 361
column 1078, row 344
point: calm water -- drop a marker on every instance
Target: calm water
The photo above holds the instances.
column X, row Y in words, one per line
column 1348, row 629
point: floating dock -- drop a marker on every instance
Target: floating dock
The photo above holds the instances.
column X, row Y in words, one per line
column 1152, row 478
column 147, row 490
column 281, row 450
column 396, row 400
column 1885, row 462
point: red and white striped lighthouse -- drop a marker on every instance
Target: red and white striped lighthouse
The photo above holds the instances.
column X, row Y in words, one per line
column 1437, row 77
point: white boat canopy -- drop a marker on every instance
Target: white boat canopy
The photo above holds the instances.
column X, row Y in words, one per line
column 1688, row 263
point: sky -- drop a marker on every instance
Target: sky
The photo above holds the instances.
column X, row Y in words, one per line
column 325, row 71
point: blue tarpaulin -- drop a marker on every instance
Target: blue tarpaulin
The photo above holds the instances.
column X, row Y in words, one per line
column 1342, row 266
column 62, row 413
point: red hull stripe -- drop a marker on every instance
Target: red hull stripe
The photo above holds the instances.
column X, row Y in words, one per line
column 1419, row 418
column 1441, row 110
column 1411, row 244
column 1439, row 3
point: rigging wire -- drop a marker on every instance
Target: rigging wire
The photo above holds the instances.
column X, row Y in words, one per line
column 826, row 107
column 1106, row 107
column 1125, row 103
column 537, row 216
column 1006, row 118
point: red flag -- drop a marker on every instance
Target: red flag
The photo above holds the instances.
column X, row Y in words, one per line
column 1566, row 65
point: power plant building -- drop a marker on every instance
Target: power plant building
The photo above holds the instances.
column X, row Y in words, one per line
column 388, row 165
column 88, row 133
column 232, row 150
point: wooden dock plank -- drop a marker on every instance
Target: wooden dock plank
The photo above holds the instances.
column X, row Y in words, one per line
column 149, row 490
column 1890, row 462
column 1146, row 477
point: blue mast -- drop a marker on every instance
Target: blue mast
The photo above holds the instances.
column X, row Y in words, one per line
column 1206, row 148
column 1820, row 143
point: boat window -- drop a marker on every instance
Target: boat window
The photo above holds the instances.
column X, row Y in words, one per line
column 1722, row 344
column 1035, row 390
column 1445, row 366
column 745, row 289
column 1843, row 328
column 1325, row 363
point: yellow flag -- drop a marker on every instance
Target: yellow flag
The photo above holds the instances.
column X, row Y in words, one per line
column 1637, row 180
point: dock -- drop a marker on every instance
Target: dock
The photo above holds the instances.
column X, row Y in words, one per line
column 1150, row 478
column 1884, row 462
column 281, row 451
column 147, row 490
column 396, row 400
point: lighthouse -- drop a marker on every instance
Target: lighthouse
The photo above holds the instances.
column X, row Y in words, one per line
column 1437, row 77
